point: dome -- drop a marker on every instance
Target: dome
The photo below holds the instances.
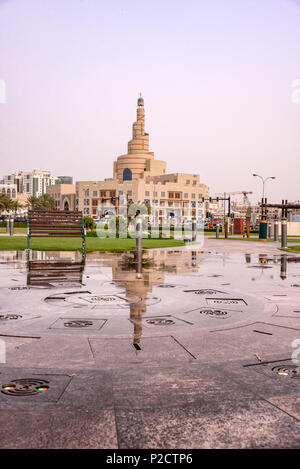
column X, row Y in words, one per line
column 140, row 101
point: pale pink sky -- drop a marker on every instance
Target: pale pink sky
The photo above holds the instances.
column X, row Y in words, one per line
column 216, row 78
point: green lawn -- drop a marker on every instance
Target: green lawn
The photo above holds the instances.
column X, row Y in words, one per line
column 292, row 249
column 255, row 238
column 18, row 243
column 16, row 230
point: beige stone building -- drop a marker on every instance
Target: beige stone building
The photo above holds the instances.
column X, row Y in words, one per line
column 140, row 178
column 64, row 195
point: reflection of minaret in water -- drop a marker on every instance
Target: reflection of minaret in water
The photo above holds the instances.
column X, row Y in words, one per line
column 137, row 287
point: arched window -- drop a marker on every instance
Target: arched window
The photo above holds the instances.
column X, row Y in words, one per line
column 127, row 175
column 66, row 206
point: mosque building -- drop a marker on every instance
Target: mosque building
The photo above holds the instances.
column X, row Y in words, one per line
column 139, row 177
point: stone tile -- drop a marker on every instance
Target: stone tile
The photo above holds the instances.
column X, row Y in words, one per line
column 52, row 351
column 88, row 391
column 58, row 430
column 254, row 380
column 146, row 387
column 289, row 404
column 114, row 352
column 211, row 425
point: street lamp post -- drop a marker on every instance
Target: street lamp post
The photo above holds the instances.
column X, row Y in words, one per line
column 263, row 226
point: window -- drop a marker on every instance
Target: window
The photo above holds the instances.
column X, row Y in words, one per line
column 177, row 195
column 127, row 175
column 129, row 192
column 147, row 193
column 154, row 194
column 187, row 181
column 86, row 192
column 193, row 196
column 200, row 196
column 86, row 202
column 94, row 202
column 163, row 194
column 171, row 195
column 120, row 192
column 102, row 193
column 186, row 196
column 95, row 193
column 194, row 182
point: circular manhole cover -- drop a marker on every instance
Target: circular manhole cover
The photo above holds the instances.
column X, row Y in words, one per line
column 292, row 371
column 25, row 387
column 206, row 292
column 101, row 299
column 160, row 321
column 167, row 285
column 78, row 323
column 8, row 317
column 216, row 313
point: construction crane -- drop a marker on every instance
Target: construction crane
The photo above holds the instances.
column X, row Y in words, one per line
column 246, row 200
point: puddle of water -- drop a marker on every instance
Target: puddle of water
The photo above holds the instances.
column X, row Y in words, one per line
column 109, row 284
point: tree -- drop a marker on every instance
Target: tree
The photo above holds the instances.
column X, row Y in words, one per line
column 15, row 205
column 89, row 223
column 5, row 202
column 43, row 202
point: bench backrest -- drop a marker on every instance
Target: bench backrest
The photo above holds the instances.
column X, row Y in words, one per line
column 55, row 223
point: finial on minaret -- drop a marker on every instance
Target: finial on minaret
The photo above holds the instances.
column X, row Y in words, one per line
column 140, row 101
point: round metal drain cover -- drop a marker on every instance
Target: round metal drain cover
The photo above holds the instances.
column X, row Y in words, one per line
column 218, row 313
column 205, row 292
column 7, row 317
column 166, row 285
column 292, row 371
column 160, row 321
column 25, row 387
column 101, row 299
column 78, row 323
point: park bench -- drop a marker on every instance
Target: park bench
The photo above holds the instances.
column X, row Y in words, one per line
column 55, row 224
column 50, row 273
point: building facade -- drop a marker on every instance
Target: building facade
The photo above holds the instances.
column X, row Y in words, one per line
column 64, row 196
column 139, row 177
column 31, row 183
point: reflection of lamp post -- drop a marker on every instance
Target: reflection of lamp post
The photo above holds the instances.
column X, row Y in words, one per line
column 263, row 226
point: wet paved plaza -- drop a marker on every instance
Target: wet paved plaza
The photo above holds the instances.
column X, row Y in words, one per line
column 199, row 352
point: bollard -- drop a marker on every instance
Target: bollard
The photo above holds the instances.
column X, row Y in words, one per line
column 139, row 234
column 7, row 226
column 270, row 230
column 283, row 233
column 194, row 230
column 283, row 265
column 217, row 230
column 276, row 230
column 11, row 227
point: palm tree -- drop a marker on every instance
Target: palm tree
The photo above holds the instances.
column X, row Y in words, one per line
column 32, row 202
column 43, row 202
column 15, row 205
